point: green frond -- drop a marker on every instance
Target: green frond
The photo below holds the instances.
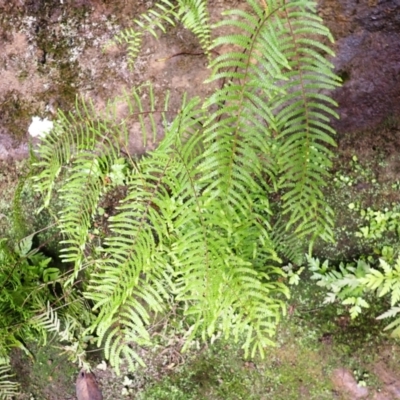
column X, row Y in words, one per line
column 164, row 12
column 130, row 280
column 71, row 133
column 48, row 320
column 90, row 145
column 193, row 14
column 195, row 17
column 279, row 101
column 303, row 113
column 8, row 388
column 133, row 41
column 288, row 245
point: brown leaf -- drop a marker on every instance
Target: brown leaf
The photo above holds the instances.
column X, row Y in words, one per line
column 86, row 387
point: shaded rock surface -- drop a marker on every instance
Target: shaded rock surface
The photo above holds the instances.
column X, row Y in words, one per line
column 52, row 51
column 367, row 59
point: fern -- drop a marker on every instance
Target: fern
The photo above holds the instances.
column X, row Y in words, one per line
column 195, row 17
column 163, row 12
column 234, row 183
column 387, row 282
column 352, row 283
column 279, row 105
column 89, row 146
column 193, row 14
column 343, row 284
column 27, row 285
column 21, row 271
column 8, row 388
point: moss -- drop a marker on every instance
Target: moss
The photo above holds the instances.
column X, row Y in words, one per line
column 45, row 374
column 16, row 113
column 295, row 369
column 56, row 44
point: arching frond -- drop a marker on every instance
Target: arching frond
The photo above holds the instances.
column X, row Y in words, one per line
column 131, row 279
column 89, row 145
column 304, row 113
column 163, row 13
column 273, row 106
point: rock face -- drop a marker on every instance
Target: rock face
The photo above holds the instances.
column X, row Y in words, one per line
column 52, row 51
column 367, row 59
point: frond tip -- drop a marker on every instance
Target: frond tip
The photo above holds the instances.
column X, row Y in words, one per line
column 8, row 388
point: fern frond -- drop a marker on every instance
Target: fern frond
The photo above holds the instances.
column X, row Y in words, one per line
column 71, row 133
column 197, row 225
column 90, row 150
column 193, row 14
column 131, row 280
column 87, row 184
column 195, row 17
column 288, row 245
column 133, row 41
column 304, row 113
column 48, row 320
column 8, row 388
column 164, row 12
column 276, row 110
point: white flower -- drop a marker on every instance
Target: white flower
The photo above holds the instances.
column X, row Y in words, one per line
column 40, row 127
column 102, row 366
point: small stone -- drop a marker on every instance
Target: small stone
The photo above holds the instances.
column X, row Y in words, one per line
column 344, row 381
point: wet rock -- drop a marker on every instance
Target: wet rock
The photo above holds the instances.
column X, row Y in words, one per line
column 56, row 50
column 86, row 387
column 367, row 59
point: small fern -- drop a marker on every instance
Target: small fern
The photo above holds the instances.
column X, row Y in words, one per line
column 163, row 12
column 27, row 283
column 351, row 284
column 386, row 282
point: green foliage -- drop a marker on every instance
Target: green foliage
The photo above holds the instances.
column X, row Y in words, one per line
column 342, row 283
column 22, row 274
column 27, row 284
column 354, row 284
column 21, row 277
column 379, row 222
column 233, row 183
